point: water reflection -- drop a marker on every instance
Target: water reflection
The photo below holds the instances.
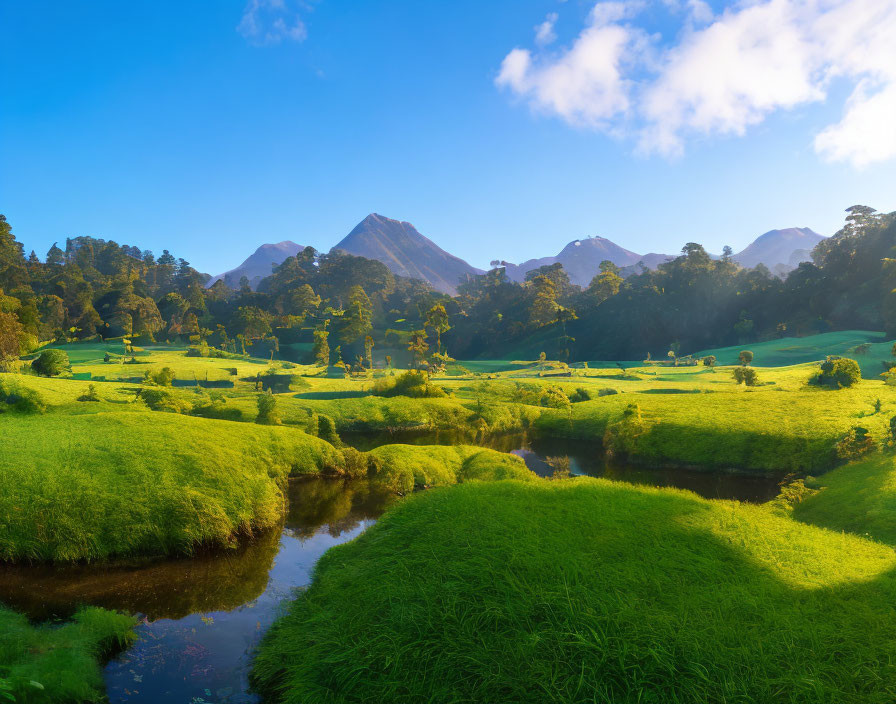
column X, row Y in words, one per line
column 587, row 458
column 202, row 616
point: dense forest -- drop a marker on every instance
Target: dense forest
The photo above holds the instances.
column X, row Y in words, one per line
column 335, row 308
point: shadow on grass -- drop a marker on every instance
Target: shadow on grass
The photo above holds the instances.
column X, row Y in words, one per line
column 331, row 395
column 609, row 595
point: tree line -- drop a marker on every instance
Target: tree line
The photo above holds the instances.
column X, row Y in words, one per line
column 336, row 308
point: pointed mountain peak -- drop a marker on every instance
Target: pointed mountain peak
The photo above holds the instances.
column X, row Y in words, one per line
column 406, row 252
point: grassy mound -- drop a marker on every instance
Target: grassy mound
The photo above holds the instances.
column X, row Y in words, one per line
column 402, row 467
column 116, row 483
column 588, row 591
column 795, row 430
column 860, row 498
column 49, row 664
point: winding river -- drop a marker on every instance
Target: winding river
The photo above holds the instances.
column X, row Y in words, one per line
column 202, row 617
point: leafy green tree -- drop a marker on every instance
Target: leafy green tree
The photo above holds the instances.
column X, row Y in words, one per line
column 745, row 357
column 251, row 321
column 745, row 375
column 368, row 351
column 437, row 319
column 543, row 310
column 11, row 334
column 709, row 361
column 356, row 322
column 267, row 409
column 418, row 347
column 51, row 363
column 321, row 349
column 606, row 284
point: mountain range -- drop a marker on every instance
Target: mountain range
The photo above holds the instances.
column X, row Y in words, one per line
column 259, row 265
column 406, row 252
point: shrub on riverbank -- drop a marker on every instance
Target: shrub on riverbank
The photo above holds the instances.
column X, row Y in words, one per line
column 118, row 483
column 55, row 665
column 412, row 383
column 588, row 591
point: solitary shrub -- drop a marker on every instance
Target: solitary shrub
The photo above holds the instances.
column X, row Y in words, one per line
column 837, row 373
column 267, row 409
column 326, row 430
column 553, row 397
column 90, row 394
column 51, row 363
column 161, row 400
column 745, row 357
column 579, row 395
column 15, row 397
column 215, row 406
column 163, row 377
column 413, row 383
column 855, row 443
column 357, row 463
column 746, row 376
column 709, row 361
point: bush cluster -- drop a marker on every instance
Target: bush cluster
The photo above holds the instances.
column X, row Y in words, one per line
column 15, row 397
column 837, row 373
column 51, row 363
column 412, row 383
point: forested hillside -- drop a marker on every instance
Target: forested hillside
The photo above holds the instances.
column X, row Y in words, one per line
column 337, row 307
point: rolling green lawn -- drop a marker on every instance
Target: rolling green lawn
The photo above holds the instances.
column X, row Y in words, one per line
column 588, row 591
column 859, row 497
column 798, row 350
column 59, row 665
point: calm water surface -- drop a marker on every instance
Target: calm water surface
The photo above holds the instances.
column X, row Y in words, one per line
column 202, row 617
column 587, row 459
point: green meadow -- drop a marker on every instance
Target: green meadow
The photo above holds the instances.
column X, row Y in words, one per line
column 521, row 590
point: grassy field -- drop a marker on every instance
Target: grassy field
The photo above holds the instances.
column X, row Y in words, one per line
column 58, row 664
column 589, row 591
column 799, row 350
column 96, row 479
column 859, row 497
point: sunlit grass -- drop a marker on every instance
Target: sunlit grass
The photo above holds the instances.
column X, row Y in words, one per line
column 588, row 591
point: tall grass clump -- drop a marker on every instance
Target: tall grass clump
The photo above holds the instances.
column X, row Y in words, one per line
column 56, row 665
column 588, row 591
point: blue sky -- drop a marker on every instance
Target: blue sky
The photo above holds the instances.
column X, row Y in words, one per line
column 501, row 129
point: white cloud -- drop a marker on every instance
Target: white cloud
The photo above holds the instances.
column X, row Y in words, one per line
column 867, row 132
column 544, row 33
column 271, row 21
column 722, row 75
column 584, row 84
